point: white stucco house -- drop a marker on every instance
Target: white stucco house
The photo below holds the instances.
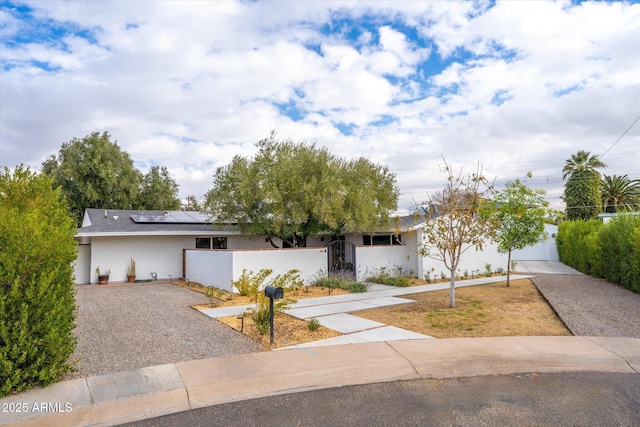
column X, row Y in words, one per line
column 184, row 244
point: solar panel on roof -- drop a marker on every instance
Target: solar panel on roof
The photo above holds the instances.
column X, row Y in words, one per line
column 177, row 217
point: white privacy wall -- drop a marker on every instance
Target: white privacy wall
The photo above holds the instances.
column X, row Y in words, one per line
column 543, row 251
column 158, row 254
column 210, row 267
column 371, row 259
column 218, row 268
column 471, row 261
column 308, row 261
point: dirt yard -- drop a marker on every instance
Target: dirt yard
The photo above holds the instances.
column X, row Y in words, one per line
column 481, row 311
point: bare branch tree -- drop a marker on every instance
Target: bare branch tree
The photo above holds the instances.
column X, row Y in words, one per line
column 453, row 223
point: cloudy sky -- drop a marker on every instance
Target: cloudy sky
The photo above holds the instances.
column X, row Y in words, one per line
column 514, row 86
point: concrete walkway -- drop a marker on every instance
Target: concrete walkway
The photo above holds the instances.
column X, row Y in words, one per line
column 332, row 312
column 544, row 267
column 150, row 392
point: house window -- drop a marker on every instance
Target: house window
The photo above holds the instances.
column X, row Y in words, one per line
column 211, row 243
column 203, row 243
column 219, row 243
column 378, row 240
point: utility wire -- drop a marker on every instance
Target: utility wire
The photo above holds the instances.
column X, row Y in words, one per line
column 623, row 134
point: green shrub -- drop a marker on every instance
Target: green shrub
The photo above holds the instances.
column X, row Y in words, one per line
column 313, row 324
column 345, row 282
column 249, row 284
column 261, row 312
column 400, row 282
column 37, row 304
column 290, row 281
column 358, row 287
column 487, row 270
column 579, row 246
column 620, row 243
column 609, row 250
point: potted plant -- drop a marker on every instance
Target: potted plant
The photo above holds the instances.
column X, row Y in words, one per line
column 131, row 272
column 103, row 278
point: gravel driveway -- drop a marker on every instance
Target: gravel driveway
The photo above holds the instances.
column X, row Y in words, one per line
column 591, row 307
column 129, row 326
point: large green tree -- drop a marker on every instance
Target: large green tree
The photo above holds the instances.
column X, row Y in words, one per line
column 454, row 222
column 296, row 190
column 93, row 172
column 519, row 214
column 37, row 301
column 158, row 190
column 582, row 189
column 619, row 193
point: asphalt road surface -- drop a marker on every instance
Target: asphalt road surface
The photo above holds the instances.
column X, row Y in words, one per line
column 560, row 399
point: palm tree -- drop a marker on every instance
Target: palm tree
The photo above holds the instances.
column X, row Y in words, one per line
column 620, row 193
column 582, row 161
column 582, row 190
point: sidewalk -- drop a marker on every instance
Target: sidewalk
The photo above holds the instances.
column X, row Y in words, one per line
column 150, row 392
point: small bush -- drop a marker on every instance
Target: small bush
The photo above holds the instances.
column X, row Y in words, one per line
column 400, row 282
column 358, row 287
column 313, row 324
column 487, row 270
column 398, row 276
column 344, row 281
column 261, row 312
column 249, row 284
column 331, row 282
column 290, row 281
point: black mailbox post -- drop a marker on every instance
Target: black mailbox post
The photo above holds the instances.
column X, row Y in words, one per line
column 272, row 292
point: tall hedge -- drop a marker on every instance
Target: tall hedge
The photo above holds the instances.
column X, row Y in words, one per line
column 37, row 304
column 611, row 250
column 620, row 241
column 579, row 245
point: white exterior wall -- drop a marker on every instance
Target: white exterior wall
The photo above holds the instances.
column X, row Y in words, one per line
column 370, row 259
column 159, row 254
column 309, row 261
column 218, row 268
column 472, row 261
column 544, row 251
column 82, row 265
column 210, row 267
column 246, row 242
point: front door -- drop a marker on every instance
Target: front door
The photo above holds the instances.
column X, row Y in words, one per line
column 341, row 258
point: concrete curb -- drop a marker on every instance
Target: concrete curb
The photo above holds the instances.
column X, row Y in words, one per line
column 150, row 392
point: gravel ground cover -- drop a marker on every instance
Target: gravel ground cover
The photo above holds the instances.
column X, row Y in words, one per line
column 129, row 326
column 590, row 306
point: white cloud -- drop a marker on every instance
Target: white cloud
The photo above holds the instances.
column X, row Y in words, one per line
column 517, row 86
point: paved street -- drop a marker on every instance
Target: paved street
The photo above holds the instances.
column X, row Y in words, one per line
column 562, row 399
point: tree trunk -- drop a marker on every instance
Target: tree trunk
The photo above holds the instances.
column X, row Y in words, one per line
column 452, row 291
column 271, row 242
column 508, row 267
